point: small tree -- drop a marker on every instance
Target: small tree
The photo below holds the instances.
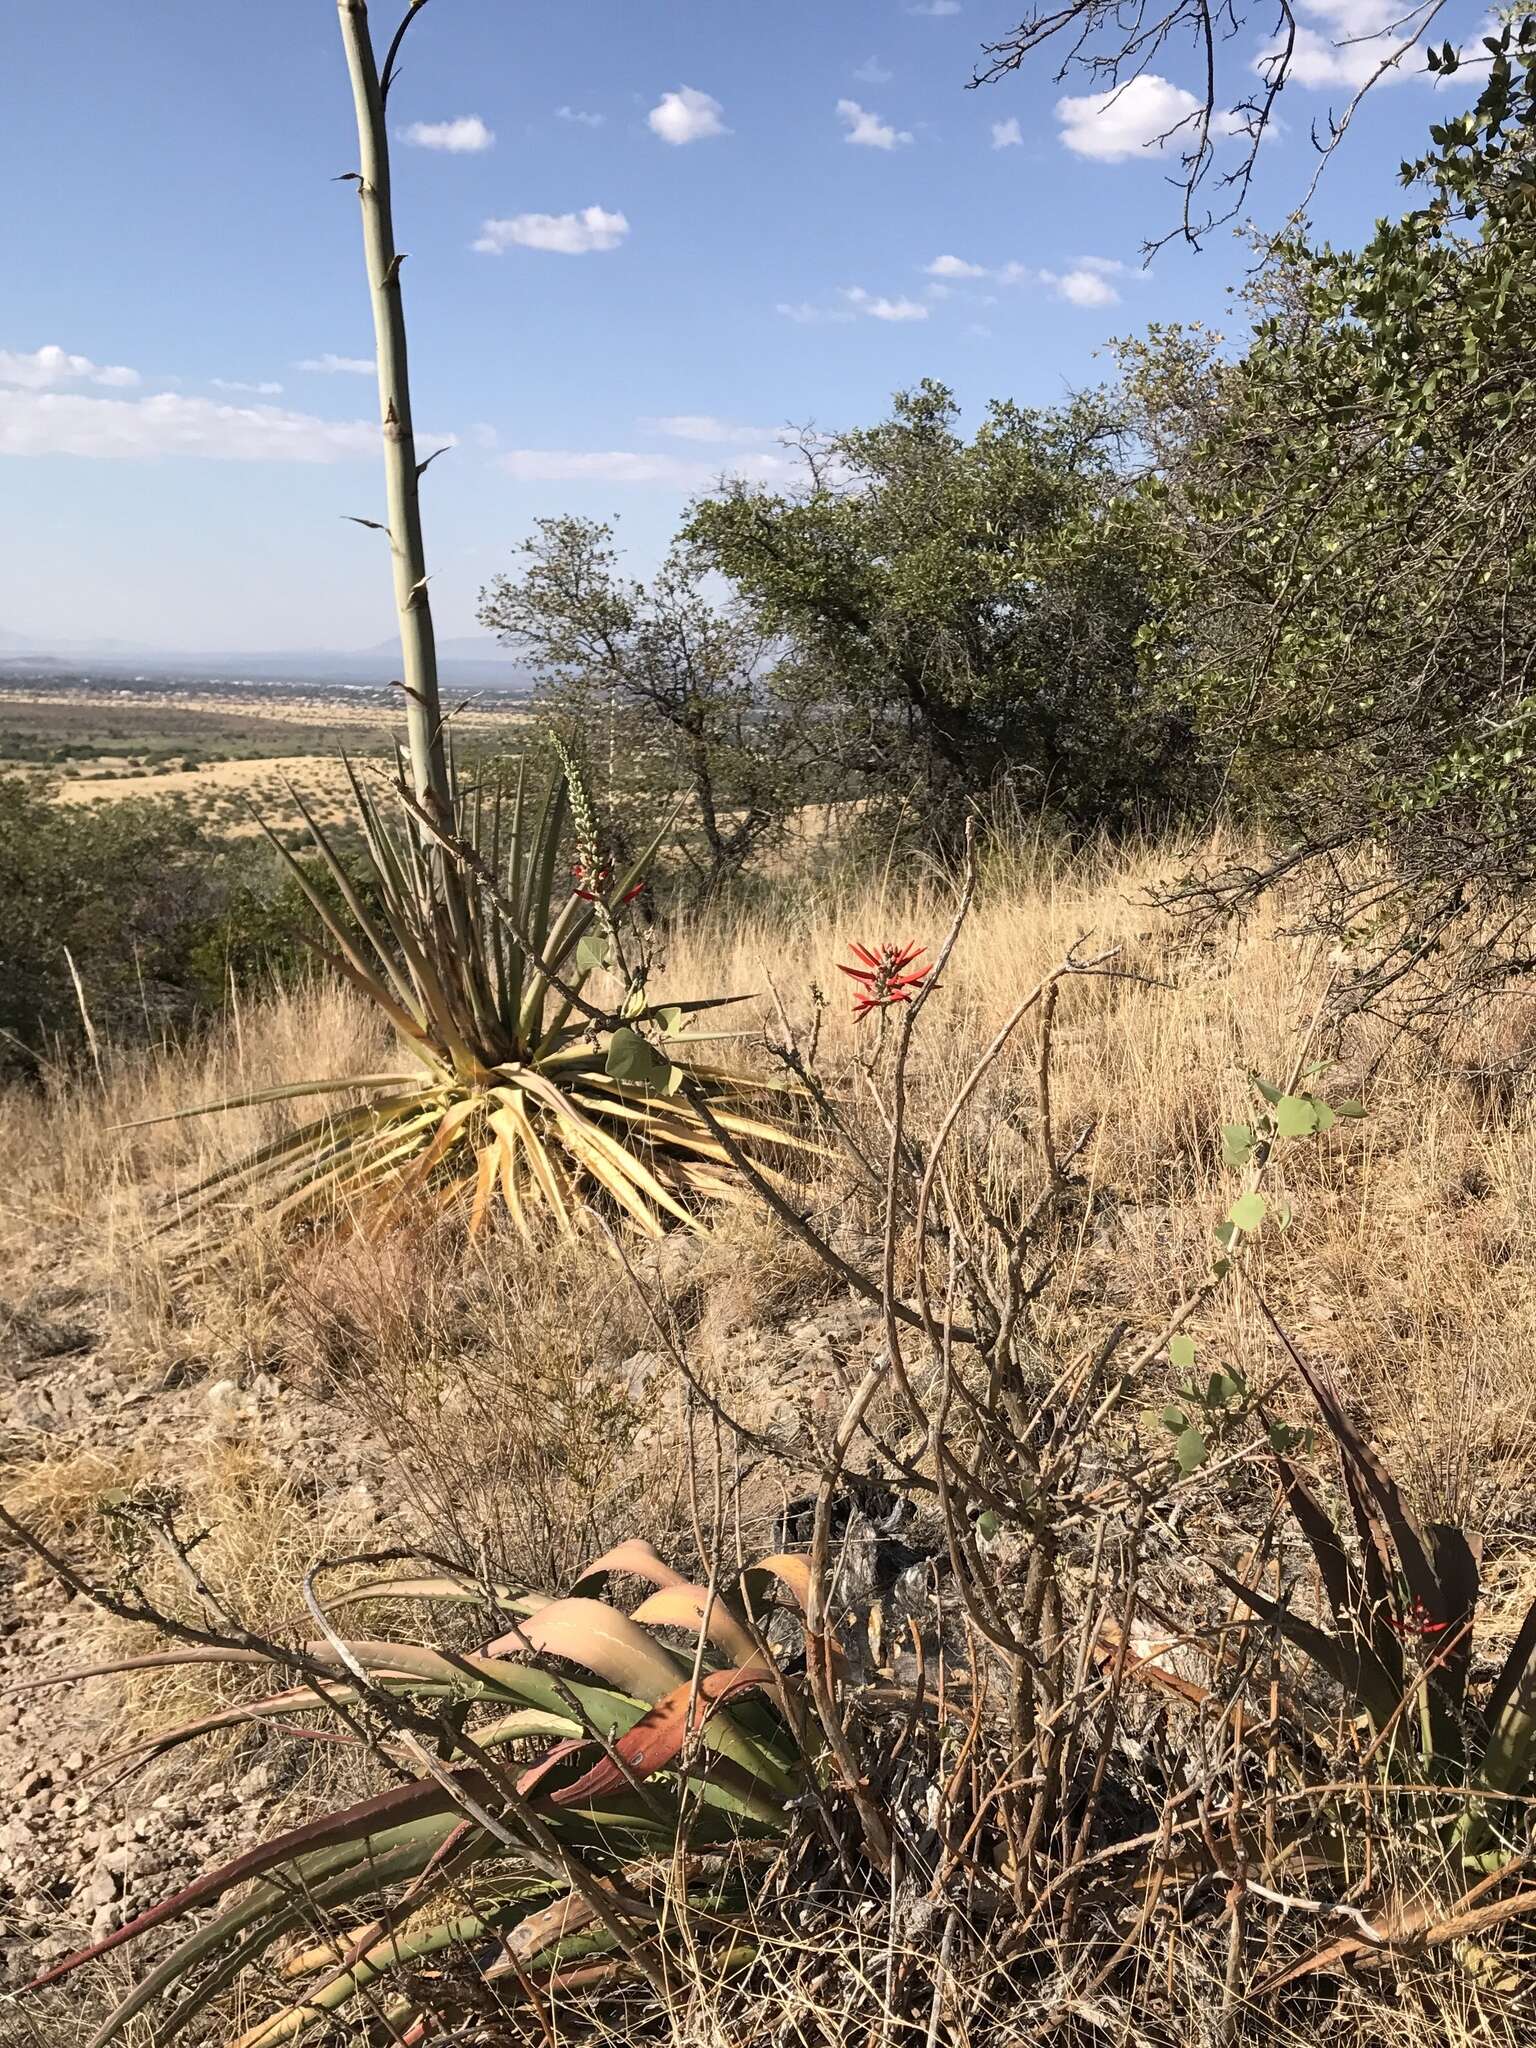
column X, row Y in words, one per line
column 676, row 694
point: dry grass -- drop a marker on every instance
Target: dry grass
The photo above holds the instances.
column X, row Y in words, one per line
column 1408, row 1267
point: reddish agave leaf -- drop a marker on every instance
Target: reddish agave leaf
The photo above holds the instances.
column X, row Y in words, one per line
column 393, row 1807
column 657, row 1738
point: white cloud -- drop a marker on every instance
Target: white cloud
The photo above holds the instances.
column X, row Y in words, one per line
column 50, row 366
column 169, row 423
column 873, row 72
column 1135, row 119
column 704, row 426
column 567, row 234
column 1086, row 283
column 877, row 308
column 686, row 116
column 806, row 313
column 868, row 129
column 330, row 365
column 935, row 8
column 630, row 466
column 465, row 135
column 1007, row 134
column 266, row 389
column 1348, row 49
column 1083, row 286
column 580, row 117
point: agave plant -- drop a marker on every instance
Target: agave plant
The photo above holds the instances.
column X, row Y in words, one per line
column 1405, row 1615
column 524, row 1090
column 442, row 1889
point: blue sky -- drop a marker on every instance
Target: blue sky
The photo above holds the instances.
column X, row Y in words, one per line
column 665, row 228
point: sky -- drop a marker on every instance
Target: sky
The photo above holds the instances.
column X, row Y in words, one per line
column 643, row 236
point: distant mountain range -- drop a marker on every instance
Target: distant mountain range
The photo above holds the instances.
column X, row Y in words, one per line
column 467, row 659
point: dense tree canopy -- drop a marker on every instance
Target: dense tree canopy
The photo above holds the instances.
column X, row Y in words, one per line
column 960, row 612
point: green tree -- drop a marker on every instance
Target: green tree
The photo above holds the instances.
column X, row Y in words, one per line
column 1350, row 512
column 960, row 614
column 676, row 696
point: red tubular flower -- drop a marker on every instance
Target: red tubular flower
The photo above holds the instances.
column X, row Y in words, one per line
column 1416, row 1622
column 885, row 979
column 600, row 879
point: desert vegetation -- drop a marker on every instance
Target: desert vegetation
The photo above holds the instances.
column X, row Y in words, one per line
column 845, row 1352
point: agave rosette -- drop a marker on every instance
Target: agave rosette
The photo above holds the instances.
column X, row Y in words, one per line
column 523, row 1091
column 641, row 1743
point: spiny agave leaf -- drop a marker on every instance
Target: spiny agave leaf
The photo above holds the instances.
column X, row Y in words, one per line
column 593, row 1136
column 485, row 1182
column 690, row 1608
column 1355, row 1614
column 343, row 880
column 603, row 1641
column 511, row 1119
column 289, row 1091
column 1325, row 1651
column 1375, row 1489
column 314, row 1144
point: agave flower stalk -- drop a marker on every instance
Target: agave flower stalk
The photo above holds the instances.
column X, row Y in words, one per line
column 402, row 472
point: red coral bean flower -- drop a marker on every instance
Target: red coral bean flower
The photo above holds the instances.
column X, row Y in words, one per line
column 1417, row 1622
column 885, row 978
column 590, row 886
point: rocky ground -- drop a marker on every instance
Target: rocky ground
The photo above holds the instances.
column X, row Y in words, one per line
column 83, row 1848
column 86, row 1844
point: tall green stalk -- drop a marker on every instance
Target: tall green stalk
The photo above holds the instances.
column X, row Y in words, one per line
column 402, row 472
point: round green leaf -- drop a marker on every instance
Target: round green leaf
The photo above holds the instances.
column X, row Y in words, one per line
column 1296, row 1116
column 1247, row 1212
column 1181, row 1350
column 1190, row 1450
column 631, row 1059
column 1236, row 1144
